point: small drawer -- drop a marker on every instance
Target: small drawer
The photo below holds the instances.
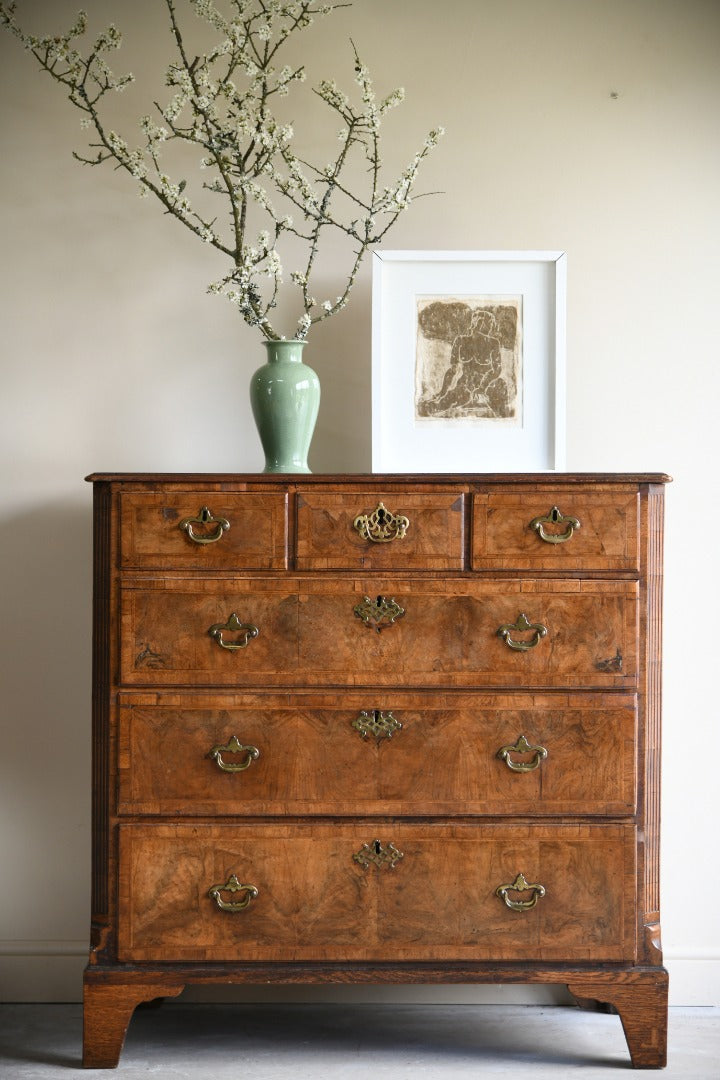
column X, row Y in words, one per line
column 376, row 753
column 200, row 530
column 556, row 528
column 285, row 630
column 376, row 531
column 376, row 891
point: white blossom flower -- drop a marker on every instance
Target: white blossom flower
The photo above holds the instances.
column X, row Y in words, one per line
column 117, row 145
column 392, row 100
column 273, row 266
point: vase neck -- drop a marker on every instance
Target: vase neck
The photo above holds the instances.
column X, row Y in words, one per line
column 284, row 351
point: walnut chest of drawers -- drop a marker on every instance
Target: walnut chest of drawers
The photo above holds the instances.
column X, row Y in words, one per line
column 376, row 729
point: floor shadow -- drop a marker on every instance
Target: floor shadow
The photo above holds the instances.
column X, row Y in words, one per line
column 515, row 1035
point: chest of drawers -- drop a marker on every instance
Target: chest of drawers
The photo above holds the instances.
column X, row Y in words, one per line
column 376, row 729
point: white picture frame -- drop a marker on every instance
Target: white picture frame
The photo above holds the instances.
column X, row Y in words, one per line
column 414, row 429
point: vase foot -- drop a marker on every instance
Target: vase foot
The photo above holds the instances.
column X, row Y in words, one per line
column 288, row 471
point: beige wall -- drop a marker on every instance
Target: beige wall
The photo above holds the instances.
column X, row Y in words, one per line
column 588, row 126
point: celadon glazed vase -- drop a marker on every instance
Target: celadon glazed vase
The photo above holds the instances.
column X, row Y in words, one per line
column 285, row 397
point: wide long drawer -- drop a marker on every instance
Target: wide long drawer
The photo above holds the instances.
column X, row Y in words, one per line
column 339, row 631
column 377, row 753
column 377, row 891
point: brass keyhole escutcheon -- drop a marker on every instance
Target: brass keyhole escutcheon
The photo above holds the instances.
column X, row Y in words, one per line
column 381, row 526
column 380, row 613
column 382, row 856
column 378, row 724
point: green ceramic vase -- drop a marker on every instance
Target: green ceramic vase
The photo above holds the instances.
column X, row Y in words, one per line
column 285, row 397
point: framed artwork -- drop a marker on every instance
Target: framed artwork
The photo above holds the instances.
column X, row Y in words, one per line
column 468, row 361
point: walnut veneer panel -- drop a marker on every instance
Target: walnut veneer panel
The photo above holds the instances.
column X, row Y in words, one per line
column 308, row 632
column 607, row 538
column 151, row 536
column 327, row 539
column 315, row 902
column 442, row 760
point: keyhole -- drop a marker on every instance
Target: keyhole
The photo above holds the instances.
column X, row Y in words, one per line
column 378, row 602
column 377, row 847
column 381, row 516
column 555, row 514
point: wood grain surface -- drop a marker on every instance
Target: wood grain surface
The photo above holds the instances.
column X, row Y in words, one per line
column 309, row 632
column 443, row 759
column 151, row 537
column 607, row 539
column 316, row 903
column 327, row 538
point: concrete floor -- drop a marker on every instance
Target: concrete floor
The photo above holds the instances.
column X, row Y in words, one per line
column 179, row 1041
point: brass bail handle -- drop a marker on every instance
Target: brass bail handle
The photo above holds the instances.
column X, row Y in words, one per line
column 234, row 746
column 247, row 632
column 520, row 885
column 522, row 625
column 522, row 746
column 205, row 517
column 381, row 526
column 554, row 517
column 233, row 885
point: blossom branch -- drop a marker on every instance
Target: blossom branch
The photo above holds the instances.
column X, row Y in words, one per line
column 221, row 105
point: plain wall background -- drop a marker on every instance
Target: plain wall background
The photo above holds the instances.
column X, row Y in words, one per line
column 588, row 126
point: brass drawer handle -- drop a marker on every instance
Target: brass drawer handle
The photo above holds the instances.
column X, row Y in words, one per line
column 379, row 855
column 520, row 885
column 234, row 746
column 555, row 518
column 205, row 517
column 381, row 526
column 379, row 724
column 521, row 625
column 379, row 613
column 233, row 624
column 232, row 885
column 522, row 746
